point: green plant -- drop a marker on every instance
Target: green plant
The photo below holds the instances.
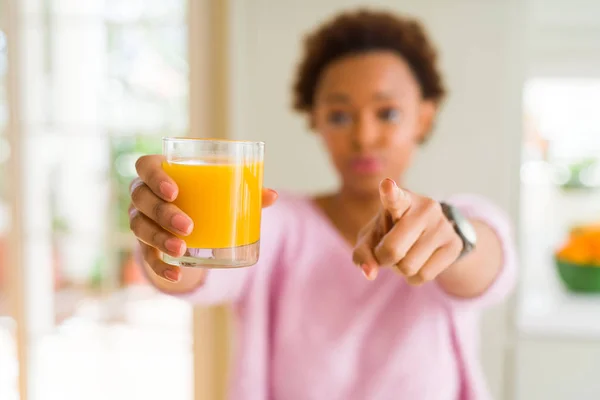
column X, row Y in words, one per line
column 576, row 172
column 124, row 152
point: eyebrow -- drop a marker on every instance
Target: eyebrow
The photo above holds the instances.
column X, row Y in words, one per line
column 336, row 98
column 383, row 96
column 344, row 99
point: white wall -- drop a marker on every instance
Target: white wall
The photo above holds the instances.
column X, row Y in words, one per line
column 476, row 146
column 563, row 38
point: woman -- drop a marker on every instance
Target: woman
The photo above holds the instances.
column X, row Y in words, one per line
column 311, row 327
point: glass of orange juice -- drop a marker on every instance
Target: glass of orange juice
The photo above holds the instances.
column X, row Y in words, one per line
column 220, row 185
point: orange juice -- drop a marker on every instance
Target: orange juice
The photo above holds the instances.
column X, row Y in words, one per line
column 223, row 199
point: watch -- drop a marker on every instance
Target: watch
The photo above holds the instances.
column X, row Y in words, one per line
column 463, row 228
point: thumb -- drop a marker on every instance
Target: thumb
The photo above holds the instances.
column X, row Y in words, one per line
column 394, row 200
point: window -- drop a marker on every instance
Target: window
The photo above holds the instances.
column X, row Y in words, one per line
column 102, row 82
column 8, row 348
column 560, row 182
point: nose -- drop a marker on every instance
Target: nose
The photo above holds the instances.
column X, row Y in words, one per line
column 365, row 133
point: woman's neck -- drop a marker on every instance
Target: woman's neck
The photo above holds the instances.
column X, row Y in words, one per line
column 348, row 212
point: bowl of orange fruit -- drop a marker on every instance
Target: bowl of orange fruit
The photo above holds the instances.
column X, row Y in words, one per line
column 578, row 259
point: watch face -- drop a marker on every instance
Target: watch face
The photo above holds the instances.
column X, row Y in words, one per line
column 466, row 228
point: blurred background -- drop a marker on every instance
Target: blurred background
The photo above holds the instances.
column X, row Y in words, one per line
column 86, row 86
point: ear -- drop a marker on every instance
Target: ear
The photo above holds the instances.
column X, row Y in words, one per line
column 427, row 112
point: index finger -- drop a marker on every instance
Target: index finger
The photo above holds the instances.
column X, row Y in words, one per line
column 150, row 171
column 394, row 200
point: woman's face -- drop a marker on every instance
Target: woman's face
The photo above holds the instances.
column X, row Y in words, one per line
column 369, row 111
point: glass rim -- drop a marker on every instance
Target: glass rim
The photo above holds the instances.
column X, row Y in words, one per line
column 174, row 139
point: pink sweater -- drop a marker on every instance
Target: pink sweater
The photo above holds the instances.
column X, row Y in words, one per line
column 312, row 327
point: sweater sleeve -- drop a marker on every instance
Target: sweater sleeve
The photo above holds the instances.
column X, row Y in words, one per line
column 478, row 208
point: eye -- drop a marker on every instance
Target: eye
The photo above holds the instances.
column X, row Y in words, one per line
column 389, row 114
column 340, row 118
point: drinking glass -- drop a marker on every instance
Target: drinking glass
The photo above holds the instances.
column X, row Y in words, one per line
column 220, row 186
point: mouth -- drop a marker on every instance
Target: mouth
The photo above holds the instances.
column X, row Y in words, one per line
column 366, row 165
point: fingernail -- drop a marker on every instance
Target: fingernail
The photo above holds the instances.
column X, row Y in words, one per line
column 175, row 246
column 373, row 274
column 182, row 223
column 395, row 190
column 171, row 275
column 168, row 190
column 389, row 180
column 368, row 272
